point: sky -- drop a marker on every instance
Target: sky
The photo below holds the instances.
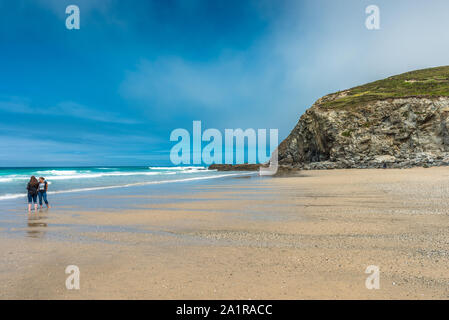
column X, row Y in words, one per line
column 112, row 92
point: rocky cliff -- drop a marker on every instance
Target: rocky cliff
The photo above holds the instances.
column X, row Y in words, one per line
column 401, row 121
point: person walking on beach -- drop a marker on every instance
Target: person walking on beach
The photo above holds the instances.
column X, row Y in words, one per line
column 32, row 187
column 43, row 187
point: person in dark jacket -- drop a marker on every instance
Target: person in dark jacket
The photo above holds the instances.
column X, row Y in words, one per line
column 43, row 187
column 32, row 187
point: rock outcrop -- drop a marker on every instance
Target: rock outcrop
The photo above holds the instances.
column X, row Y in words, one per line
column 402, row 121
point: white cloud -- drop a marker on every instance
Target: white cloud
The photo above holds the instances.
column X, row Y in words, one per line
column 66, row 109
column 171, row 82
column 73, row 109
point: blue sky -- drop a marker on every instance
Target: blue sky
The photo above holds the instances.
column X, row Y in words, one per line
column 112, row 92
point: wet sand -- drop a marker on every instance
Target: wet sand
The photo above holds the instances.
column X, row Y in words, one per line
column 306, row 237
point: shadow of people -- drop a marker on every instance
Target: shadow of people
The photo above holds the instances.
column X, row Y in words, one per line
column 37, row 225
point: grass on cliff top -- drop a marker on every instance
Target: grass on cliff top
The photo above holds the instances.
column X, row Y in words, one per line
column 433, row 82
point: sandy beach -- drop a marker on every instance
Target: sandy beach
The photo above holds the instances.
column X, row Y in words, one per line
column 305, row 237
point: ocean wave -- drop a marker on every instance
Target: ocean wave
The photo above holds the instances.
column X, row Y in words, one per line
column 12, row 178
column 12, row 196
column 68, row 175
column 59, row 172
column 19, row 195
column 179, row 168
column 101, row 174
column 91, row 174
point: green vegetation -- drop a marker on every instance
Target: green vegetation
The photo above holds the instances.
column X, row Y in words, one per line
column 433, row 82
column 347, row 133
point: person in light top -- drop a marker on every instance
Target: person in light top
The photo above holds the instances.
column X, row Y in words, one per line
column 43, row 187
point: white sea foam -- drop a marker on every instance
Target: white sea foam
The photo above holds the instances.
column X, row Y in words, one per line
column 178, row 168
column 58, row 172
column 19, row 195
column 150, row 182
column 13, row 177
column 89, row 174
column 68, row 175
column 102, row 174
column 12, row 196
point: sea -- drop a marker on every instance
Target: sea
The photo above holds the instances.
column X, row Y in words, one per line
column 100, row 189
column 13, row 181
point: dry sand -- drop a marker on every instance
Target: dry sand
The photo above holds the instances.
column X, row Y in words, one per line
column 307, row 237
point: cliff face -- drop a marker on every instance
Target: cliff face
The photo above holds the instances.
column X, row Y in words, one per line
column 401, row 121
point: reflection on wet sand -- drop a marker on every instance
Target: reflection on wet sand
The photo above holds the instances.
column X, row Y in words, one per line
column 36, row 227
